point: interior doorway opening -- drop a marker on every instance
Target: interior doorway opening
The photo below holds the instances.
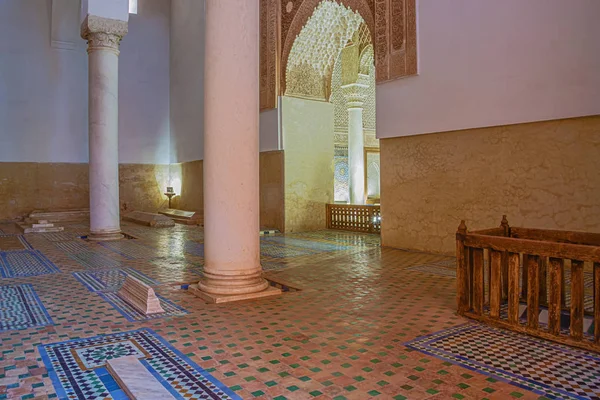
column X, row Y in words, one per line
column 330, row 92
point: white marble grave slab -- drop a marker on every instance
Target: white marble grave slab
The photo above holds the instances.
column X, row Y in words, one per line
column 135, row 379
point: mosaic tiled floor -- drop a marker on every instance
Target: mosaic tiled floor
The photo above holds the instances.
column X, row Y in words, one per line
column 90, row 259
column 106, row 282
column 78, row 367
column 20, row 308
column 13, row 242
column 342, row 336
column 547, row 369
column 444, row 268
column 133, row 315
column 23, row 263
column 110, row 279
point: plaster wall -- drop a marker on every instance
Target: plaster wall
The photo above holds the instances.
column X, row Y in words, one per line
column 43, row 89
column 187, row 86
column 307, row 130
column 541, row 175
column 26, row 186
column 187, row 180
column 144, row 132
column 488, row 63
column 187, row 80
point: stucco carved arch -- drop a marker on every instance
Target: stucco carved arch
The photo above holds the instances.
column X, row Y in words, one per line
column 304, row 12
column 366, row 59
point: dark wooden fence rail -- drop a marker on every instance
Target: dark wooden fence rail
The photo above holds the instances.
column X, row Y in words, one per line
column 527, row 266
column 356, row 218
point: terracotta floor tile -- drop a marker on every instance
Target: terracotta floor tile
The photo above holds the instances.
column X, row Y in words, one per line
column 343, row 335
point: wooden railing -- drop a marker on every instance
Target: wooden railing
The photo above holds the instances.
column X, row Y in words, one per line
column 356, row 218
column 502, row 268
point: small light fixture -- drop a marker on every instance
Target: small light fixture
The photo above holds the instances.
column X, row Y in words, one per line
column 170, row 193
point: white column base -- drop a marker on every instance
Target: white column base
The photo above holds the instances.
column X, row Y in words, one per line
column 223, row 298
column 105, row 236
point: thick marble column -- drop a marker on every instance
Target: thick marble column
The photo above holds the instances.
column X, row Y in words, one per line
column 103, row 36
column 356, row 141
column 232, row 269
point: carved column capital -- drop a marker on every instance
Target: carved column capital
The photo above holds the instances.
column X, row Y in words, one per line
column 355, row 94
column 103, row 33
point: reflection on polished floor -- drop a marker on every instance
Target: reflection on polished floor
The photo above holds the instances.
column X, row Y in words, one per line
column 366, row 322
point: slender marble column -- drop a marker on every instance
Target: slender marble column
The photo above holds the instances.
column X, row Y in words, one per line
column 103, row 36
column 356, row 141
column 232, row 269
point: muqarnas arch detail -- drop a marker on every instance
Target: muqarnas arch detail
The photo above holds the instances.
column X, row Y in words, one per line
column 392, row 24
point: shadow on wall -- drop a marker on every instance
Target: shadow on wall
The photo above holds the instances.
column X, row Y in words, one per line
column 190, row 196
column 191, row 193
column 25, row 187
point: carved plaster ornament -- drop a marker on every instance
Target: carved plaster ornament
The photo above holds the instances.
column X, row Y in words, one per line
column 316, row 48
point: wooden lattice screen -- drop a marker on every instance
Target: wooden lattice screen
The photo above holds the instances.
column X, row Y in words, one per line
column 356, row 218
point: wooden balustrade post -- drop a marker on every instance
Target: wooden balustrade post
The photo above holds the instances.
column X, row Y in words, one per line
column 597, row 303
column 469, row 255
column 504, row 225
column 487, row 272
column 577, row 294
column 556, row 272
column 524, row 276
column 533, row 291
column 544, row 281
column 505, row 292
column 495, row 283
column 513, row 288
column 462, row 270
column 478, row 282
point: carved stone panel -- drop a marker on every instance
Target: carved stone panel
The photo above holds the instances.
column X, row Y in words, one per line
column 395, row 39
column 269, row 50
column 381, row 40
column 403, row 39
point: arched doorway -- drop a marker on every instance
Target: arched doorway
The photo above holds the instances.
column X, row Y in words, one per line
column 328, row 113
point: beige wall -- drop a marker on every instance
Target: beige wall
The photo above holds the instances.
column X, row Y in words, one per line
column 142, row 186
column 307, row 130
column 542, row 175
column 25, row 187
column 187, row 182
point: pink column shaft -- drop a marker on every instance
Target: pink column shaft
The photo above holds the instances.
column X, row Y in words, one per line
column 231, row 179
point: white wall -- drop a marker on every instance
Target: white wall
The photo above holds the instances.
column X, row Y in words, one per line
column 269, row 130
column 187, row 86
column 43, row 90
column 187, row 80
column 488, row 62
column 144, row 134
